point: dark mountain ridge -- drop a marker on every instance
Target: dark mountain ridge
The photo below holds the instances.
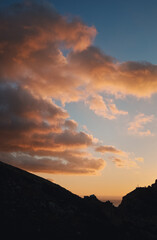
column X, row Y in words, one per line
column 142, row 201
column 33, row 206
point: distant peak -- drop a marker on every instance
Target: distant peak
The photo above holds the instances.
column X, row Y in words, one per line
column 154, row 184
column 91, row 197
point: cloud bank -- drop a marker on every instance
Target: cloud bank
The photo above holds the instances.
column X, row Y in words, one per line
column 35, row 133
column 31, row 54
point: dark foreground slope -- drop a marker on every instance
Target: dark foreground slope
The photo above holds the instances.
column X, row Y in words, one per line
column 31, row 206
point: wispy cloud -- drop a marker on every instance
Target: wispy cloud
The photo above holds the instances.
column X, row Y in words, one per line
column 139, row 159
column 110, row 149
column 137, row 126
column 124, row 163
column 120, row 158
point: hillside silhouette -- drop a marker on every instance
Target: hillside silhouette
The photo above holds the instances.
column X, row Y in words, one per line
column 31, row 206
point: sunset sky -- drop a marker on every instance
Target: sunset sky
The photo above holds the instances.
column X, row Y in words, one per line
column 78, row 92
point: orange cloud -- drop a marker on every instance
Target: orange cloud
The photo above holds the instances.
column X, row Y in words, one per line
column 31, row 123
column 31, row 54
column 73, row 138
column 107, row 110
column 71, row 124
column 136, row 127
column 34, row 70
column 109, row 149
column 36, row 135
column 97, row 104
column 104, row 73
column 114, row 109
column 124, row 163
column 126, row 160
column 30, row 50
column 62, row 163
column 140, row 159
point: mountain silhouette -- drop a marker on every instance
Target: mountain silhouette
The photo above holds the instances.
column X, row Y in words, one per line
column 31, row 206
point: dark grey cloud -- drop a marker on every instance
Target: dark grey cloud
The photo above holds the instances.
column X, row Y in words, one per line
column 62, row 163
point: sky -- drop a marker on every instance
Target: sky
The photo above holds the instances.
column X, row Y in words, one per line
column 78, row 92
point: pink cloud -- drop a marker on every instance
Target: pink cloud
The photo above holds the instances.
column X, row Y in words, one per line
column 104, row 109
column 137, row 126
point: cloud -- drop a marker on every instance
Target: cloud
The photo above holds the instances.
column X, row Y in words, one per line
column 73, row 138
column 109, row 149
column 36, row 135
column 34, row 71
column 62, row 163
column 18, row 101
column 137, row 126
column 23, row 115
column 30, row 51
column 30, row 122
column 104, row 73
column 139, row 159
column 114, row 109
column 123, row 160
column 71, row 124
column 97, row 104
column 124, row 163
column 104, row 109
column 31, row 54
